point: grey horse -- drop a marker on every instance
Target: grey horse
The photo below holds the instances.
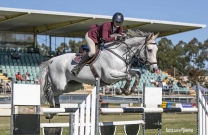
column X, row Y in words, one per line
column 112, row 65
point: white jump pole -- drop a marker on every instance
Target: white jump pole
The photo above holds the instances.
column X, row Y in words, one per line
column 97, row 111
column 76, row 121
column 145, row 110
column 88, row 106
column 82, row 113
column 93, row 108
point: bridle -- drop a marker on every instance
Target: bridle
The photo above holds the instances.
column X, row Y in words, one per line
column 129, row 52
column 145, row 62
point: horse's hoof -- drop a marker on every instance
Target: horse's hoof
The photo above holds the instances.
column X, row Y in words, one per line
column 133, row 91
column 126, row 92
column 118, row 92
column 49, row 116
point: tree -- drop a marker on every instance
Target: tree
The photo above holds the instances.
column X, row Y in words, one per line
column 44, row 49
column 75, row 45
column 188, row 58
column 63, row 46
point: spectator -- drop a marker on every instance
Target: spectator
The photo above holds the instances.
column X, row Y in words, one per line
column 157, row 81
column 27, row 76
column 160, row 84
column 6, row 86
column 15, row 55
column 36, row 81
column 170, row 85
column 24, row 77
column 180, row 84
column 9, row 85
column 3, row 85
column 164, row 84
column 152, row 81
column 166, row 80
column 18, row 76
column 158, row 78
column 30, row 50
column 36, row 50
column 157, row 71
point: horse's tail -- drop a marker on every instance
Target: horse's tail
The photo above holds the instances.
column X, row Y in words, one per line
column 45, row 86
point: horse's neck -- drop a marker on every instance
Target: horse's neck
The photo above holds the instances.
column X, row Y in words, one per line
column 127, row 49
column 119, row 49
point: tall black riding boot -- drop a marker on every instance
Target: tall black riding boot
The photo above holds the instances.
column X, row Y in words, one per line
column 75, row 71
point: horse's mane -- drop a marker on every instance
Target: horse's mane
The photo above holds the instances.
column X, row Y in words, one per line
column 136, row 33
column 129, row 33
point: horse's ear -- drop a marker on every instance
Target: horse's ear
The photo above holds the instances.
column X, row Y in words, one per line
column 150, row 36
column 155, row 36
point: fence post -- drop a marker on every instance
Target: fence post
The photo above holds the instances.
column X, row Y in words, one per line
column 12, row 108
column 97, row 110
column 71, row 127
column 144, row 106
column 197, row 106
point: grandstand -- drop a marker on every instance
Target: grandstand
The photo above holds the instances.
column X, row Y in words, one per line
column 27, row 63
column 145, row 78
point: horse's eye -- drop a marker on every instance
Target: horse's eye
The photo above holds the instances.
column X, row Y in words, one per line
column 149, row 50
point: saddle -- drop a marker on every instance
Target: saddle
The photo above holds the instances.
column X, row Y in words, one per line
column 83, row 49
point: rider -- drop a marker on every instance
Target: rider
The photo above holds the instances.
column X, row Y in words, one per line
column 99, row 34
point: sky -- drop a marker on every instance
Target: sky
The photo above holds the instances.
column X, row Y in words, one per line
column 188, row 11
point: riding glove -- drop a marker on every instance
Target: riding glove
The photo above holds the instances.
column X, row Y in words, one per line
column 120, row 38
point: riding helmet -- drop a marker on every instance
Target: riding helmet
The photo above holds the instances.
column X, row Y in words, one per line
column 118, row 17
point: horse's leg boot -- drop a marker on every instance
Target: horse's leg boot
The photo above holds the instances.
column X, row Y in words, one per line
column 57, row 105
column 81, row 64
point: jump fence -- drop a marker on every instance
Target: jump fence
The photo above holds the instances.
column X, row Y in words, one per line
column 85, row 119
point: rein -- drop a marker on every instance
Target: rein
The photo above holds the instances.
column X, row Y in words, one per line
column 131, row 53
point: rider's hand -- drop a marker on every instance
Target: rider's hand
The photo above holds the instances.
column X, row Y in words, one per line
column 120, row 38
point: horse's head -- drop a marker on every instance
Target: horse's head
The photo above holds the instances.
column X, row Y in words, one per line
column 140, row 44
column 147, row 54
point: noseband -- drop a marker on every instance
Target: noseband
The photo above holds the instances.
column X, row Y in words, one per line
column 146, row 62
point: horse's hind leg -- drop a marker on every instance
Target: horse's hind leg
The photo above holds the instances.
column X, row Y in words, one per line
column 57, row 103
column 50, row 115
column 51, row 103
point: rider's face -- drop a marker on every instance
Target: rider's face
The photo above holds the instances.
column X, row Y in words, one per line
column 117, row 24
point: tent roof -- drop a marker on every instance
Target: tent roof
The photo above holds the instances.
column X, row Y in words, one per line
column 76, row 25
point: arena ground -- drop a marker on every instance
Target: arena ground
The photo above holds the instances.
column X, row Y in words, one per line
column 173, row 124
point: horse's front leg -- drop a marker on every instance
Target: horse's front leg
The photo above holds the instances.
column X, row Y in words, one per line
column 137, row 74
column 126, row 88
column 136, row 82
column 122, row 76
column 117, row 75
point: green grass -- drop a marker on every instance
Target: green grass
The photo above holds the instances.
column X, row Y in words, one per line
column 169, row 121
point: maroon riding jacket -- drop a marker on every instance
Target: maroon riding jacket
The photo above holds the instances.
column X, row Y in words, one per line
column 103, row 32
